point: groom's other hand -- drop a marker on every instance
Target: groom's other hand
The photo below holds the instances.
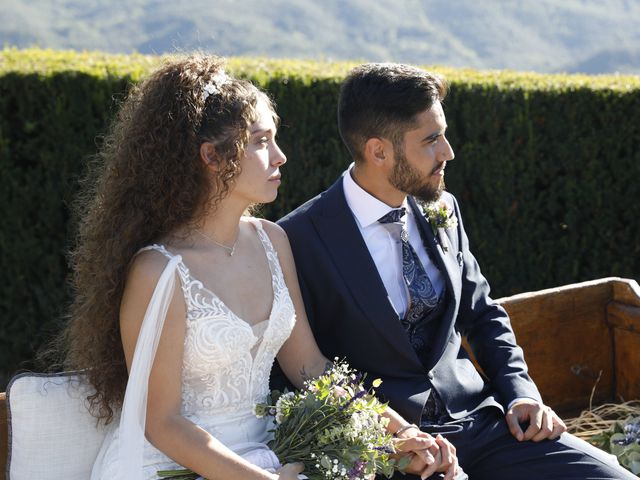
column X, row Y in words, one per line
column 428, row 455
column 543, row 423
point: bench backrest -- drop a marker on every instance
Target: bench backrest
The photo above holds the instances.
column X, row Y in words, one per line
column 581, row 341
column 52, row 434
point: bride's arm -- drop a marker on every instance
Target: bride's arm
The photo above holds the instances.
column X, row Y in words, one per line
column 300, row 358
column 182, row 440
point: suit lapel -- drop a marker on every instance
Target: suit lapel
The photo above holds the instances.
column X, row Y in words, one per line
column 337, row 228
column 446, row 260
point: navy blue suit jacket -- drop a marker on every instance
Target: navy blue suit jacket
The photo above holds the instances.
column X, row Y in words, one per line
column 351, row 316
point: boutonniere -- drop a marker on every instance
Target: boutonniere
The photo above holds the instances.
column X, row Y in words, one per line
column 440, row 215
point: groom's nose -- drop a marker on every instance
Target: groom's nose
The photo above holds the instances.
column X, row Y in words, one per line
column 446, row 154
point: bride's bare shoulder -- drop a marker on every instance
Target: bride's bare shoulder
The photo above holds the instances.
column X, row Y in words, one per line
column 143, row 276
column 148, row 265
column 145, row 271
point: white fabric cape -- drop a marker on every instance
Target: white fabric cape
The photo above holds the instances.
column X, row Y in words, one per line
column 134, row 407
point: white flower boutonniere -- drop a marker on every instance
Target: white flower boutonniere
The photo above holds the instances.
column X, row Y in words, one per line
column 440, row 215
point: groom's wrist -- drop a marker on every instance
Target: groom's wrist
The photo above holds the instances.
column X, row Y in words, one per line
column 519, row 399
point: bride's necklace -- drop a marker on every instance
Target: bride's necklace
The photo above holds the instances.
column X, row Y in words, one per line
column 231, row 249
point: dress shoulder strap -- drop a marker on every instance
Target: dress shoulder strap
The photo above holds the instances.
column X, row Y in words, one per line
column 272, row 254
column 262, row 235
column 159, row 248
column 182, row 269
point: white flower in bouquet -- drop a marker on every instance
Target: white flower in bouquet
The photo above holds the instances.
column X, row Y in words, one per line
column 283, row 406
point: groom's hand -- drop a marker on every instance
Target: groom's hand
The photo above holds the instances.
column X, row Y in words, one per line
column 543, row 423
column 428, row 455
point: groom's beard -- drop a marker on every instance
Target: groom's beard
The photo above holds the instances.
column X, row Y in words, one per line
column 410, row 181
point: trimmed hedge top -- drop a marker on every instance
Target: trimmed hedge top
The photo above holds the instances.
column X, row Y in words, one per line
column 134, row 66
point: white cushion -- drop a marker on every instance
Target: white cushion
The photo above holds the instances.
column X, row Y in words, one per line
column 52, row 435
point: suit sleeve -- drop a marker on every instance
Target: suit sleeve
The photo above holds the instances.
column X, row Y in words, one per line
column 488, row 330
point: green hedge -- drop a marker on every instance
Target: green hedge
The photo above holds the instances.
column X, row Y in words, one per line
column 546, row 171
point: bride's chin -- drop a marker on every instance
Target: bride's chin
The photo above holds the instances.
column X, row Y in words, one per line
column 270, row 198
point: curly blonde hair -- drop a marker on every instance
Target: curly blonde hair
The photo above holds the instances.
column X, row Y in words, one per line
column 147, row 181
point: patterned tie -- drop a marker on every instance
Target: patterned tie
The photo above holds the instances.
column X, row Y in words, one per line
column 422, row 301
column 422, row 296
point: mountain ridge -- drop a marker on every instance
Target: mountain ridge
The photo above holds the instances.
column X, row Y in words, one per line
column 586, row 36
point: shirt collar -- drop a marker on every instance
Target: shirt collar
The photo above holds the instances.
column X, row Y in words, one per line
column 366, row 208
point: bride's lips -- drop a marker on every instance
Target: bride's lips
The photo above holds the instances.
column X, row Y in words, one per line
column 275, row 178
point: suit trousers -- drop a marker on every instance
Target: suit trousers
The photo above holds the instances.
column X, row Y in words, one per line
column 487, row 451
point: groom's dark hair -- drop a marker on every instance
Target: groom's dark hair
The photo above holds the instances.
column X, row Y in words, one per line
column 382, row 100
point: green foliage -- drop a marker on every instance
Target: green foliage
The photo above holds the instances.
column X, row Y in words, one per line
column 547, row 181
column 50, row 117
column 623, row 441
column 546, row 171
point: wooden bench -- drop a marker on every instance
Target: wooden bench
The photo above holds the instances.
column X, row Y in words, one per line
column 580, row 341
column 578, row 335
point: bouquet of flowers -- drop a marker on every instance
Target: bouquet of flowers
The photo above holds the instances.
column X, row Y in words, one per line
column 333, row 425
column 622, row 440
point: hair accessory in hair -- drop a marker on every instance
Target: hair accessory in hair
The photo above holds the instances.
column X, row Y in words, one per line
column 213, row 86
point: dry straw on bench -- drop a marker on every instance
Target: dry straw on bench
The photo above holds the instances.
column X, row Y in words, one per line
column 602, row 418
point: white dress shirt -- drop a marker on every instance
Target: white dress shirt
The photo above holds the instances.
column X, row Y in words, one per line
column 386, row 250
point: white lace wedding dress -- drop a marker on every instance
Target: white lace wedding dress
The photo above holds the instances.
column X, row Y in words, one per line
column 225, row 372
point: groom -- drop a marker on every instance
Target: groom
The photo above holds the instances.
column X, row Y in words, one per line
column 389, row 283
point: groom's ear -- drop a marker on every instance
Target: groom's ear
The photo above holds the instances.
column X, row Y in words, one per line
column 376, row 151
column 209, row 155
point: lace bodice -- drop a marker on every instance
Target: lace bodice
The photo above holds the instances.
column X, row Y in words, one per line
column 227, row 361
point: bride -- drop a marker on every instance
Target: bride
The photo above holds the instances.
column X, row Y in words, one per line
column 182, row 300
